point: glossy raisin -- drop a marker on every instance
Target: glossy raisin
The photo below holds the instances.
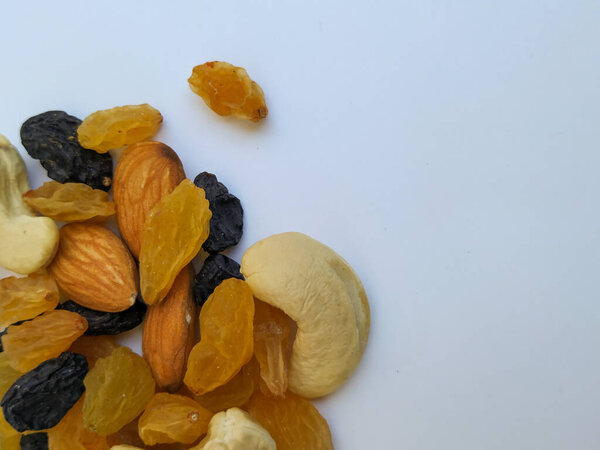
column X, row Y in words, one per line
column 51, row 137
column 215, row 269
column 34, row 441
column 40, row 398
column 102, row 323
column 227, row 221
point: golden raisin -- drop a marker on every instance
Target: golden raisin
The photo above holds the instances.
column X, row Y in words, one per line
column 8, row 375
column 26, row 297
column 93, row 348
column 71, row 434
column 170, row 418
column 128, row 435
column 70, row 202
column 117, row 391
column 123, row 125
column 228, row 90
column 293, row 421
column 45, row 337
column 173, row 234
column 226, row 341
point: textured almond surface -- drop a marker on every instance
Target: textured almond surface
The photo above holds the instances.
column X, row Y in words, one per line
column 94, row 268
column 145, row 173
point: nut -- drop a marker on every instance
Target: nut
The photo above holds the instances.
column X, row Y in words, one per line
column 319, row 290
column 169, row 332
column 234, row 429
column 27, row 242
column 145, row 173
column 94, row 268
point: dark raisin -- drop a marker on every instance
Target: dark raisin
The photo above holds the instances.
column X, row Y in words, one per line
column 216, row 268
column 40, row 398
column 34, row 441
column 226, row 223
column 51, row 137
column 101, row 323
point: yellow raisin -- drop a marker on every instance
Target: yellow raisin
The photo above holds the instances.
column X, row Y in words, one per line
column 70, row 433
column 128, row 435
column 70, row 202
column 45, row 337
column 228, row 90
column 26, row 297
column 173, row 234
column 93, row 348
column 117, row 390
column 123, row 125
column 12, row 442
column 8, row 375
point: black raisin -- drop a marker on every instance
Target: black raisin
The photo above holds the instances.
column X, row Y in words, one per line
column 51, row 137
column 226, row 223
column 216, row 268
column 101, row 323
column 34, row 441
column 40, row 398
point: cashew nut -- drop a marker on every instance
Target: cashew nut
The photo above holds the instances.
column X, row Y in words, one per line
column 27, row 242
column 234, row 429
column 319, row 290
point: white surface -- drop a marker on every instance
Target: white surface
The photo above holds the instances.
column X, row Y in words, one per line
column 448, row 150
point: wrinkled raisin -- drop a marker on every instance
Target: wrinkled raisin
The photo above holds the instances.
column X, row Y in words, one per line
column 34, row 441
column 215, row 269
column 40, row 398
column 100, row 322
column 51, row 137
column 93, row 348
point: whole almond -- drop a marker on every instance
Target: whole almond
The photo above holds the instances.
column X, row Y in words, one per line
column 94, row 268
column 169, row 332
column 145, row 173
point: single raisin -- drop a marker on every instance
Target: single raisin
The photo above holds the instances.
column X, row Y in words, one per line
column 227, row 221
column 93, row 348
column 101, row 323
column 51, row 137
column 215, row 269
column 34, row 441
column 40, row 398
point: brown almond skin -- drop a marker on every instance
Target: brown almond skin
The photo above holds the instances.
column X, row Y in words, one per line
column 145, row 173
column 169, row 332
column 94, row 268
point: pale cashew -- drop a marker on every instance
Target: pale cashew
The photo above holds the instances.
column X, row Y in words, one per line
column 27, row 242
column 319, row 290
column 234, row 429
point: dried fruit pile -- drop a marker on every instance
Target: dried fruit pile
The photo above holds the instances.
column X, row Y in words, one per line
column 289, row 324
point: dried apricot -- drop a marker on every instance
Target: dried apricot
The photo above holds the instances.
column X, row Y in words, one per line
column 226, row 341
column 123, row 125
column 93, row 348
column 26, row 297
column 45, row 337
column 173, row 234
column 228, row 90
column 292, row 421
column 70, row 433
column 117, row 391
column 70, row 202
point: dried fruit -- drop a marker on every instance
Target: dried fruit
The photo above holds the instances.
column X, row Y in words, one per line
column 117, row 390
column 42, row 338
column 8, row 375
column 51, row 137
column 234, row 429
column 123, row 125
column 173, row 234
column 226, row 341
column 27, row 242
column 34, row 441
column 170, row 418
column 70, row 202
column 26, row 297
column 94, row 268
column 126, row 436
column 236, row 392
column 101, row 322
column 169, row 333
column 40, row 398
column 319, row 290
column 226, row 223
column 272, row 334
column 145, row 173
column 93, row 348
column 293, row 421
column 12, row 442
column 228, row 90
column 70, row 434
column 215, row 269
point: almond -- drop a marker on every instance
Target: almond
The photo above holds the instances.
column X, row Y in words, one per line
column 169, row 332
column 94, row 268
column 145, row 173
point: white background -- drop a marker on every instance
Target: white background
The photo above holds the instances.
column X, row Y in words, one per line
column 447, row 149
